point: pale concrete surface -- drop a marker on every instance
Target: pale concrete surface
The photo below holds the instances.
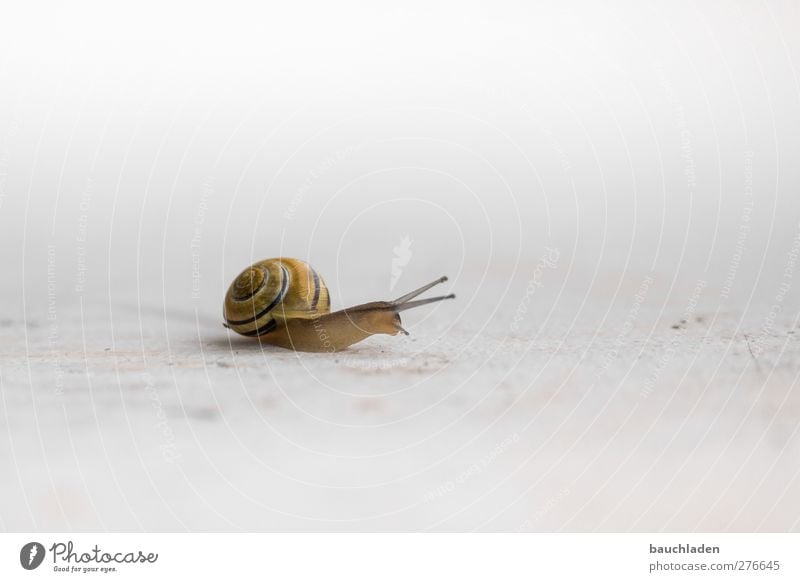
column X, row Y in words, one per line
column 567, row 419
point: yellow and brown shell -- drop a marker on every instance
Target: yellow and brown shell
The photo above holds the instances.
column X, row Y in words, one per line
column 273, row 290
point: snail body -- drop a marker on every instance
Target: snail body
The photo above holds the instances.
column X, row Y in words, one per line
column 284, row 302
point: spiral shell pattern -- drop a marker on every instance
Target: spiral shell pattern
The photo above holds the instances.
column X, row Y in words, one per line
column 271, row 290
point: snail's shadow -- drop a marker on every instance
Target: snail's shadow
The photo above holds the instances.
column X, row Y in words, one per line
column 235, row 345
column 232, row 344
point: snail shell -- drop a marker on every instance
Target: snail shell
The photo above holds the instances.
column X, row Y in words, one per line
column 273, row 290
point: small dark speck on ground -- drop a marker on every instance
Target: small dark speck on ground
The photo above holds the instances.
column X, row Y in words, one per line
column 196, row 412
column 207, row 413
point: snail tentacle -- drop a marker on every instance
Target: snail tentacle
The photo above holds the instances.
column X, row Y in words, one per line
column 419, row 291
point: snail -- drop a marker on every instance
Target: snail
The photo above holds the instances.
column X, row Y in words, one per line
column 284, row 302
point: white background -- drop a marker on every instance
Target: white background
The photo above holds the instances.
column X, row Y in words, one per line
column 150, row 152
